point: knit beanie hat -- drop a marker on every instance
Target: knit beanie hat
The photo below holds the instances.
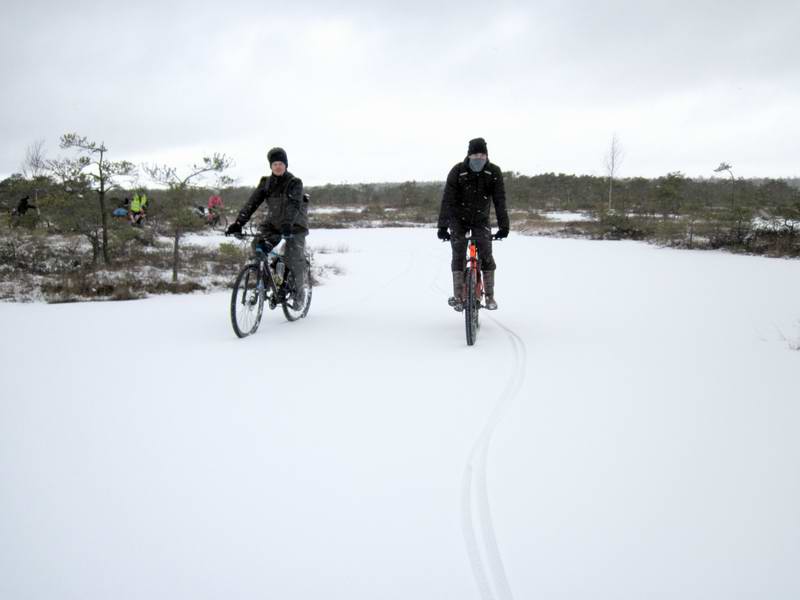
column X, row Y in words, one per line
column 277, row 155
column 477, row 146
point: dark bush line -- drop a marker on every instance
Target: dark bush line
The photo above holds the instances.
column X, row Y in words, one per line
column 730, row 235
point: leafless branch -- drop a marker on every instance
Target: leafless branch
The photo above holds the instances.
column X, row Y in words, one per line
column 35, row 162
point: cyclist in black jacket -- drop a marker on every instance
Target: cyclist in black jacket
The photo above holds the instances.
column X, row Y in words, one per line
column 472, row 186
column 287, row 212
column 24, row 206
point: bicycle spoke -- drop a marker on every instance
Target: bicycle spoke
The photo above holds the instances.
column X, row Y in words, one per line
column 247, row 301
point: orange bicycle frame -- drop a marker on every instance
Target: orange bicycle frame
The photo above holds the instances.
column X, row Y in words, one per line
column 473, row 265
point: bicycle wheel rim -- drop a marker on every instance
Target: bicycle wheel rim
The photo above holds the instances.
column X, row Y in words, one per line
column 247, row 302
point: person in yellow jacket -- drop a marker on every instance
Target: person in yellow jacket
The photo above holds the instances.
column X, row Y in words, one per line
column 138, row 208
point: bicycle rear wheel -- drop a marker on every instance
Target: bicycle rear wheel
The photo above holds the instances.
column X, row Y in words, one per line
column 296, row 303
column 471, row 306
column 247, row 301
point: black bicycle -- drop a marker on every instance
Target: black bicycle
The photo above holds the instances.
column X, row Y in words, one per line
column 214, row 218
column 267, row 279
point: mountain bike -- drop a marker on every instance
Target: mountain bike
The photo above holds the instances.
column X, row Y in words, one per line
column 267, row 279
column 471, row 304
column 31, row 219
column 214, row 218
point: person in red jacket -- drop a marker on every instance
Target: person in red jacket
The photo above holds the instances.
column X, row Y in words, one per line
column 215, row 206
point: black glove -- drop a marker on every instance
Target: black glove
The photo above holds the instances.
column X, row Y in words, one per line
column 234, row 228
column 286, row 231
column 443, row 234
column 501, row 234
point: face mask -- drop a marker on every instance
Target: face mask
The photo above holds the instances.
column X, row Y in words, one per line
column 477, row 164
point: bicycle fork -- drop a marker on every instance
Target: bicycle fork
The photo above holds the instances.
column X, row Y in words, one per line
column 473, row 265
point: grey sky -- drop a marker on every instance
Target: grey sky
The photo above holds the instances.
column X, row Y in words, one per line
column 367, row 91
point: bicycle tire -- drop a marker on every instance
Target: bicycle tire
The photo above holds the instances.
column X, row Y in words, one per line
column 220, row 223
column 247, row 301
column 471, row 307
column 291, row 313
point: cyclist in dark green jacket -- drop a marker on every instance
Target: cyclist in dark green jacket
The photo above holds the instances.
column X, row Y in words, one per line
column 287, row 212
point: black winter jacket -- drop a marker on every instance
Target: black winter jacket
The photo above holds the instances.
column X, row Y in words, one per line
column 286, row 203
column 468, row 196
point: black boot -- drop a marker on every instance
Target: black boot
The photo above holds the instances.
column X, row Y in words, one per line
column 457, row 299
column 488, row 290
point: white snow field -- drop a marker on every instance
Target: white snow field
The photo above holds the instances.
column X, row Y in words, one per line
column 626, row 427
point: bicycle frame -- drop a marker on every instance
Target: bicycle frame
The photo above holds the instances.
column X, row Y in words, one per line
column 473, row 264
column 473, row 292
column 266, row 281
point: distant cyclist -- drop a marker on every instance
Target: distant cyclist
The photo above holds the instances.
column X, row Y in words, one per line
column 138, row 208
column 472, row 186
column 215, row 206
column 23, row 206
column 287, row 213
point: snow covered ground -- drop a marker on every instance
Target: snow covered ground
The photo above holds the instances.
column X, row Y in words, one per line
column 567, row 216
column 764, row 224
column 330, row 210
column 625, row 427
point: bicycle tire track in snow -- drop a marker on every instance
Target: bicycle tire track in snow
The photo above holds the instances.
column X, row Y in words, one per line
column 484, row 552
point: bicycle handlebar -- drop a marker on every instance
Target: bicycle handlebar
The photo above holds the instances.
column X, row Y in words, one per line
column 474, row 239
column 242, row 235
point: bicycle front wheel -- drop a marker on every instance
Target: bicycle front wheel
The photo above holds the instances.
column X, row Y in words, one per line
column 471, row 306
column 298, row 300
column 221, row 222
column 247, row 301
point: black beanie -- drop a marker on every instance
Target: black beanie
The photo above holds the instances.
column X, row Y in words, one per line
column 277, row 155
column 477, row 146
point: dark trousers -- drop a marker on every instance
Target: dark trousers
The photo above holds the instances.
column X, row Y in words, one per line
column 295, row 253
column 458, row 241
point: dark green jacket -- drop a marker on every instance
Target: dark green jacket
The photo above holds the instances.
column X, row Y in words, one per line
column 286, row 203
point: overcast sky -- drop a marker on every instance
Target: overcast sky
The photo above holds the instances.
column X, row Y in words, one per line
column 362, row 91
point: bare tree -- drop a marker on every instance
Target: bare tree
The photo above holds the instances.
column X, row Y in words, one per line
column 92, row 165
column 178, row 205
column 35, row 163
column 613, row 161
